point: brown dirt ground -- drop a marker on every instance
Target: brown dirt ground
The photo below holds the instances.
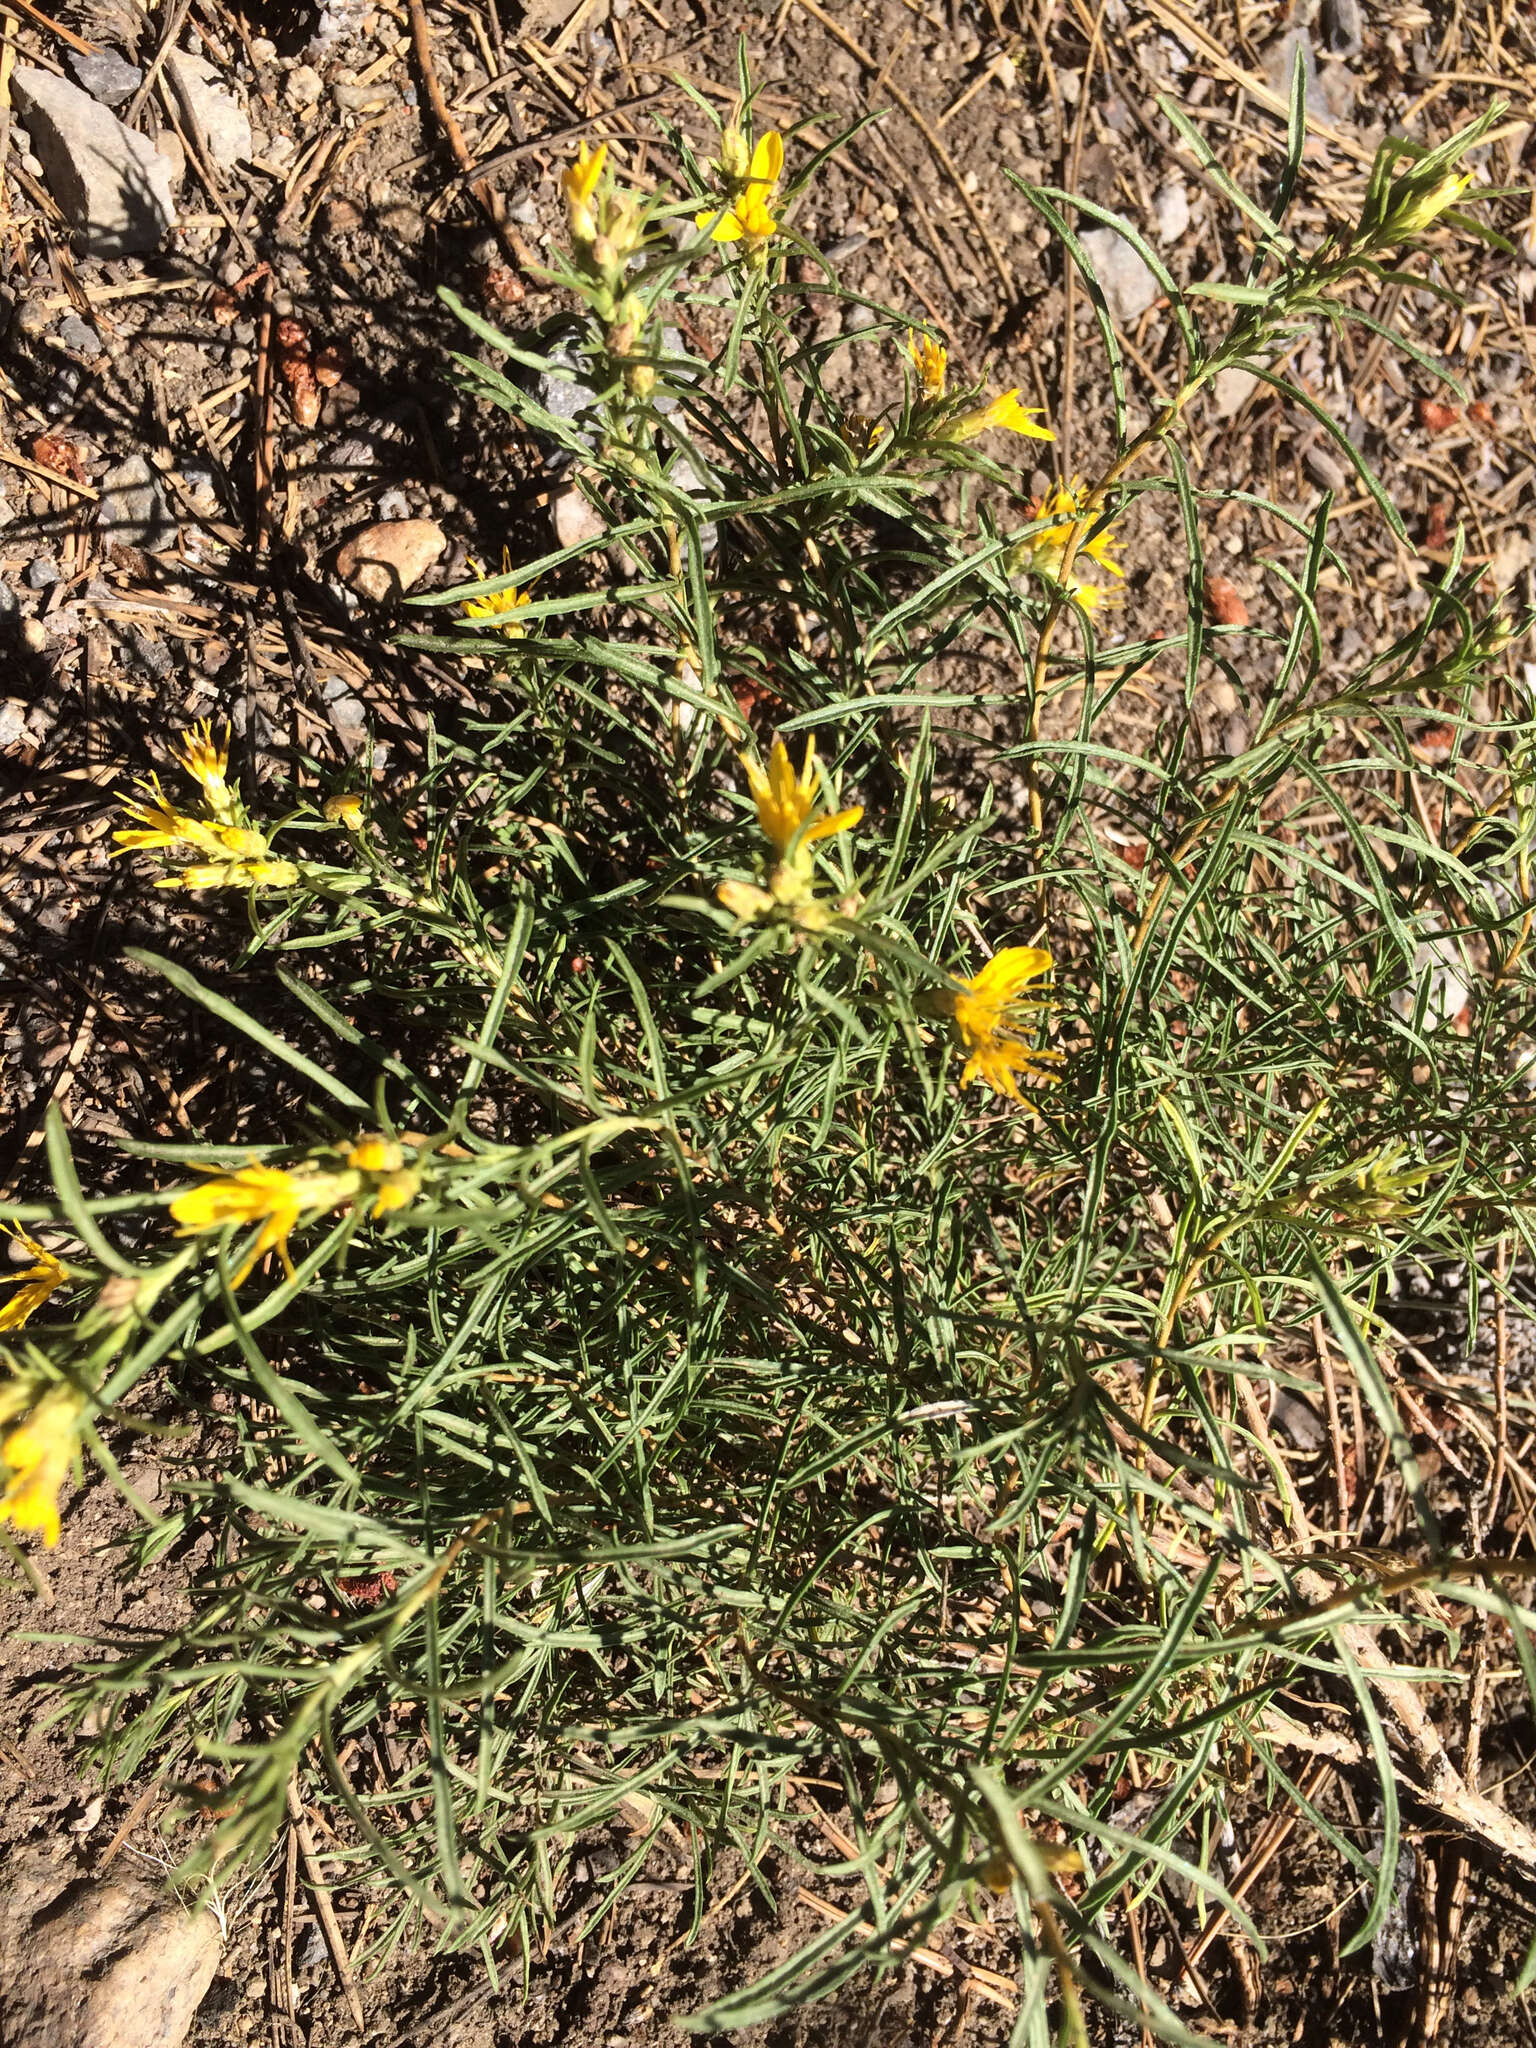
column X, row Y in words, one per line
column 354, row 203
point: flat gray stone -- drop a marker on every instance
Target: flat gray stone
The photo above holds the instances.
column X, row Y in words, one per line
column 216, row 114
column 1233, row 388
column 109, row 182
column 133, row 509
column 1129, row 286
column 105, row 74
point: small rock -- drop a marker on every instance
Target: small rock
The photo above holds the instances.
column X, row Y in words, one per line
column 859, row 319
column 303, row 86
column 394, row 505
column 109, row 1963
column 1280, row 59
column 524, row 211
column 109, row 182
column 214, row 109
column 41, row 574
column 106, row 75
column 168, row 145
column 1323, row 469
column 79, row 335
column 1232, row 389
column 13, row 720
column 1172, row 205
column 389, row 558
column 342, row 216
column 133, row 511
column 575, row 517
column 347, row 713
column 1342, row 27
column 1129, row 287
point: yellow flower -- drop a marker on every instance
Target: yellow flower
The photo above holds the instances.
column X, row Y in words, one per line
column 930, row 359
column 268, row 1195
column 1005, row 411
column 396, row 1191
column 33, row 1284
column 156, row 823
column 579, row 182
column 207, row 762
column 376, row 1154
column 749, row 216
column 233, row 874
column 499, row 608
column 1066, row 506
column 36, row 1456
column 988, row 1011
column 785, row 802
column 345, row 809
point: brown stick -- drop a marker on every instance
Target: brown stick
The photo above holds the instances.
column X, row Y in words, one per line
column 488, row 200
column 329, row 1925
column 57, row 28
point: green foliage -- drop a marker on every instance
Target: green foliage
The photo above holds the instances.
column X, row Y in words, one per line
column 731, row 1399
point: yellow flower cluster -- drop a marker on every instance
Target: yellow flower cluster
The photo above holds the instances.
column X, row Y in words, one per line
column 1066, row 509
column 991, row 1012
column 279, row 1198
column 36, row 1452
column 750, row 177
column 941, row 418
column 236, row 854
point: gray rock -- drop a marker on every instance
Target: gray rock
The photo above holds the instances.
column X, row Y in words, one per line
column 303, row 86
column 1342, row 27
column 214, row 110
column 109, row 182
column 1172, row 206
column 13, row 720
column 41, row 574
column 1280, row 63
column 347, row 713
column 81, row 336
column 105, row 1963
column 133, row 509
column 1232, row 389
column 105, row 74
column 1129, row 287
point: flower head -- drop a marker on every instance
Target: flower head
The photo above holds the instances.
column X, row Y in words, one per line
column 749, row 217
column 989, row 1010
column 376, row 1154
column 206, row 760
column 345, row 808
column 579, row 182
column 785, row 802
column 272, row 1196
column 35, row 1457
column 498, row 608
column 930, row 359
column 32, row 1285
column 1067, row 510
column 1004, row 411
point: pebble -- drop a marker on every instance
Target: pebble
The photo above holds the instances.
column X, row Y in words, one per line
column 303, row 86
column 79, row 335
column 390, row 557
column 1129, row 286
column 105, row 74
column 1232, row 390
column 42, row 574
column 1172, row 207
column 13, row 721
column 524, row 211
column 574, row 517
column 394, row 505
column 133, row 509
